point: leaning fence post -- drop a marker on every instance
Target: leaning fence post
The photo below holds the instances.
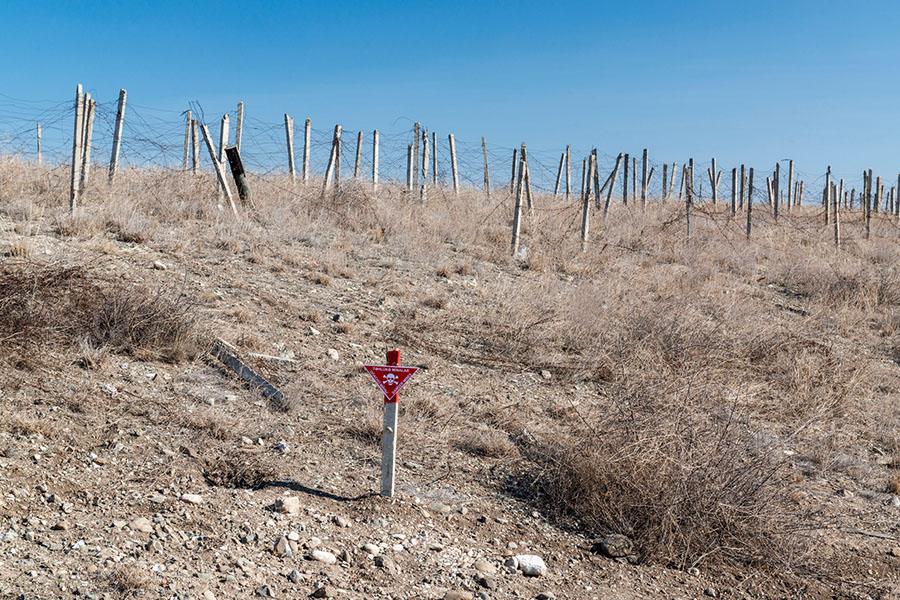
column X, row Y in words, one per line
column 527, row 179
column 237, row 172
column 562, row 160
column 374, row 161
column 612, row 185
column 517, row 211
column 220, row 173
column 665, row 181
column 75, row 188
column 91, row 106
column 332, row 158
column 512, row 180
column 289, row 137
column 487, row 175
column 356, row 163
column 117, row 135
column 672, row 179
column 453, row 164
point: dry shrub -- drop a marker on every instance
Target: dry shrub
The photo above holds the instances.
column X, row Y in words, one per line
column 243, row 469
column 486, row 441
column 368, row 427
column 40, row 302
column 215, row 423
column 128, row 581
column 685, row 488
column 136, row 229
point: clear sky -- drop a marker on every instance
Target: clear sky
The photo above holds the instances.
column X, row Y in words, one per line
column 751, row 82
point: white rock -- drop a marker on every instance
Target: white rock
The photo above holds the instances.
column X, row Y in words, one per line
column 289, row 505
column 324, row 557
column 531, row 565
column 192, row 498
column 371, row 549
column 142, row 524
column 159, row 265
column 332, row 354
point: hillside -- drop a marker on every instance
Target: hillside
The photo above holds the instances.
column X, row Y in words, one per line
column 728, row 405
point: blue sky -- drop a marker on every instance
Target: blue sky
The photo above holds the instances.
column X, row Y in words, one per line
column 746, row 82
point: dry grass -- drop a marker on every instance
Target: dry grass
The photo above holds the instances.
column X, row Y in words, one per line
column 128, row 581
column 241, row 469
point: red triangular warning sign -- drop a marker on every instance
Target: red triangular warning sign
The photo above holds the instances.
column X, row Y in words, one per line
column 390, row 379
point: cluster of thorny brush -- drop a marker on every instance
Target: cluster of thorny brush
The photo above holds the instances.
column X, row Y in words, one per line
column 709, row 357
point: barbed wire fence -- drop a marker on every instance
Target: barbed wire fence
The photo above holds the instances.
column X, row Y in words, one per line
column 155, row 138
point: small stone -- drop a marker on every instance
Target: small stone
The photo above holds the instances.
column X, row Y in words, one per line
column 289, row 505
column 324, row 557
column 332, row 354
column 295, row 577
column 282, row 447
column 159, row 265
column 314, row 331
column 484, row 567
column 336, row 318
column 340, row 521
column 440, row 508
column 895, row 551
column 545, row 374
column 545, row 596
column 386, row 563
column 371, row 549
column 63, row 526
column 208, row 595
column 458, row 596
column 293, row 536
column 283, row 548
column 488, row 582
column 141, row 524
column 344, row 556
column 694, row 571
column 531, row 565
column 895, row 500
column 264, row 591
column 157, row 499
column 192, row 498
column 325, row 591
column 711, row 592
column 313, row 542
column 512, row 562
column 614, row 546
column 100, row 460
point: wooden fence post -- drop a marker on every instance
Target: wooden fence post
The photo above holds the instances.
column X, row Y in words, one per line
column 791, row 194
column 743, row 186
column 356, row 163
column 837, row 212
column 689, row 199
column 625, row 182
column 749, row 201
column 219, row 167
column 650, row 176
column 223, row 137
column 417, row 133
column 332, row 158
column 117, row 135
column 634, row 178
column 487, row 175
column 307, row 130
column 39, row 160
column 91, row 106
column 775, row 190
column 852, row 198
column 423, row 193
column 453, row 164
column 562, row 160
column 528, row 197
column 195, row 146
column 684, row 169
column 714, row 183
column 568, row 171
column 517, row 211
column 239, row 128
column 665, row 181
column 337, row 156
column 586, row 208
column 645, row 179
column 691, row 180
column 434, row 160
column 75, row 188
column 187, row 141
column 584, row 168
column 734, row 191
column 289, row 136
column 409, row 167
column 672, row 179
column 612, row 185
column 512, row 180
column 825, row 199
column 374, row 161
column 238, row 174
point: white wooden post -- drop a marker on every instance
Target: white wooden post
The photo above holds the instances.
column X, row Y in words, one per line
column 88, row 136
column 517, row 211
column 187, row 141
column 423, row 190
column 374, row 161
column 453, row 164
column 239, row 126
column 117, row 135
column 289, row 137
column 223, row 137
column 195, row 146
column 75, row 188
column 359, row 143
column 409, row 167
column 306, row 138
column 220, row 173
column 586, row 208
